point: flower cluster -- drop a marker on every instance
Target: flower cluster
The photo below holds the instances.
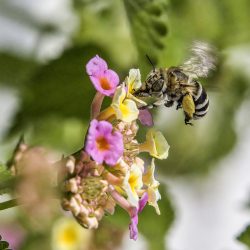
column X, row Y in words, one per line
column 109, row 171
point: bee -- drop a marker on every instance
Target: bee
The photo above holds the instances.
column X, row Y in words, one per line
column 166, row 86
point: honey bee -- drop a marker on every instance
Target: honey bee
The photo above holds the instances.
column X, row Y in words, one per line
column 166, row 86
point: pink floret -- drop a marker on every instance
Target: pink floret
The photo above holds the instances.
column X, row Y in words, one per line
column 134, row 217
column 146, row 118
column 104, row 80
column 103, row 144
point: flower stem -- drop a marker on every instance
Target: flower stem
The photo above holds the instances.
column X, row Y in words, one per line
column 145, row 146
column 112, row 179
column 121, row 201
column 96, row 105
column 106, row 114
column 8, row 204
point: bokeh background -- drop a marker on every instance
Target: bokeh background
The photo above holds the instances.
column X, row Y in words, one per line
column 45, row 94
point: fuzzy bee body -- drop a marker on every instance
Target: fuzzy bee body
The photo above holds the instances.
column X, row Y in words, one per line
column 166, row 86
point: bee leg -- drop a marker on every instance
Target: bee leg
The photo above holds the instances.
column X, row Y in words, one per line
column 188, row 108
column 179, row 106
column 187, row 122
column 168, row 104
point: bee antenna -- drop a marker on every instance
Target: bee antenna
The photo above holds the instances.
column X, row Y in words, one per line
column 150, row 62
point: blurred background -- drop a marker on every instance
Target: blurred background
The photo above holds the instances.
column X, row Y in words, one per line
column 45, row 94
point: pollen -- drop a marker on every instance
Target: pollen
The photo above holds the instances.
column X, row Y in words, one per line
column 105, row 84
column 102, row 144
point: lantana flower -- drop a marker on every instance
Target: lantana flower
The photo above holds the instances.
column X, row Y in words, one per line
column 104, row 80
column 121, row 108
column 103, row 144
column 133, row 183
column 125, row 109
column 90, row 187
column 152, row 187
column 67, row 234
column 155, row 144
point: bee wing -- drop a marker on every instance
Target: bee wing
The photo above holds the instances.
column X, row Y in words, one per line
column 202, row 59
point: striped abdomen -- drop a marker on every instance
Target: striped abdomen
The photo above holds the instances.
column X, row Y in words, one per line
column 201, row 103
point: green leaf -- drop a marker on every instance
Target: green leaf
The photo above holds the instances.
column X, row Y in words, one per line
column 15, row 70
column 4, row 173
column 5, row 176
column 148, row 19
column 59, row 89
column 244, row 237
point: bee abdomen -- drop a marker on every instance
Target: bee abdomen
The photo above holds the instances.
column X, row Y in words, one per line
column 201, row 105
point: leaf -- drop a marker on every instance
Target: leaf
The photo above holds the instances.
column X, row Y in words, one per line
column 148, row 19
column 59, row 89
column 15, row 70
column 244, row 236
column 4, row 173
column 5, row 176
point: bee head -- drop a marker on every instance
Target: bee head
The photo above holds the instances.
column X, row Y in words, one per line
column 155, row 81
column 153, row 85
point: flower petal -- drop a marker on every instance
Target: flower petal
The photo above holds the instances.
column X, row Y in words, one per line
column 133, row 228
column 125, row 109
column 155, row 144
column 134, row 80
column 143, row 201
column 132, row 183
column 134, row 217
column 96, row 66
column 102, row 144
column 152, row 184
column 145, row 117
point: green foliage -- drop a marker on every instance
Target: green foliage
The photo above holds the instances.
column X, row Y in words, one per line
column 149, row 28
column 244, row 237
column 15, row 70
column 36, row 241
column 155, row 227
column 60, row 89
column 5, row 177
column 4, row 173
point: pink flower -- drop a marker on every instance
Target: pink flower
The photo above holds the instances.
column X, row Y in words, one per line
column 104, row 80
column 103, row 144
column 145, row 117
column 134, row 217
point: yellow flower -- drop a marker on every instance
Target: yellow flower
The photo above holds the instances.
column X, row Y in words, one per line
column 155, row 144
column 133, row 83
column 152, row 184
column 124, row 108
column 67, row 234
column 133, row 183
